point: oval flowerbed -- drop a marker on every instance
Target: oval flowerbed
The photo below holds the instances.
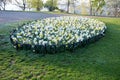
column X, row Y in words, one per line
column 56, row 34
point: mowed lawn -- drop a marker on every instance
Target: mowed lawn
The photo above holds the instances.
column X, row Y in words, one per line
column 97, row 61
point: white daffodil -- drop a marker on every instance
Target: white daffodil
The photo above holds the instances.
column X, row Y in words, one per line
column 14, row 39
column 44, row 42
column 63, row 29
column 81, row 38
column 36, row 32
column 19, row 36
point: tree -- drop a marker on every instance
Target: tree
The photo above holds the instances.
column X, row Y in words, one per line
column 97, row 5
column 90, row 7
column 74, row 4
column 68, row 5
column 29, row 6
column 3, row 3
column 38, row 4
column 22, row 4
column 51, row 4
column 83, row 8
column 114, row 7
column 69, row 2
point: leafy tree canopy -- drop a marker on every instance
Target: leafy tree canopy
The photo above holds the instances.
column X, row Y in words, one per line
column 38, row 4
column 51, row 4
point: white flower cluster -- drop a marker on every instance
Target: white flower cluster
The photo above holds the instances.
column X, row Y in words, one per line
column 58, row 31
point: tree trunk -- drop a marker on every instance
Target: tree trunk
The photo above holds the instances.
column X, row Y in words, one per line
column 90, row 8
column 115, row 11
column 115, row 8
column 4, row 6
column 24, row 6
column 74, row 7
column 68, row 6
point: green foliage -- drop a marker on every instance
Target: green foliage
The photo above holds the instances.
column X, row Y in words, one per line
column 98, row 6
column 113, row 6
column 38, row 4
column 51, row 5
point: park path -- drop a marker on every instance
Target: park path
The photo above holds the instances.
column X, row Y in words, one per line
column 12, row 16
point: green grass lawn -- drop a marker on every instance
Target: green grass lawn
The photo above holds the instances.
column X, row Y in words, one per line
column 97, row 61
